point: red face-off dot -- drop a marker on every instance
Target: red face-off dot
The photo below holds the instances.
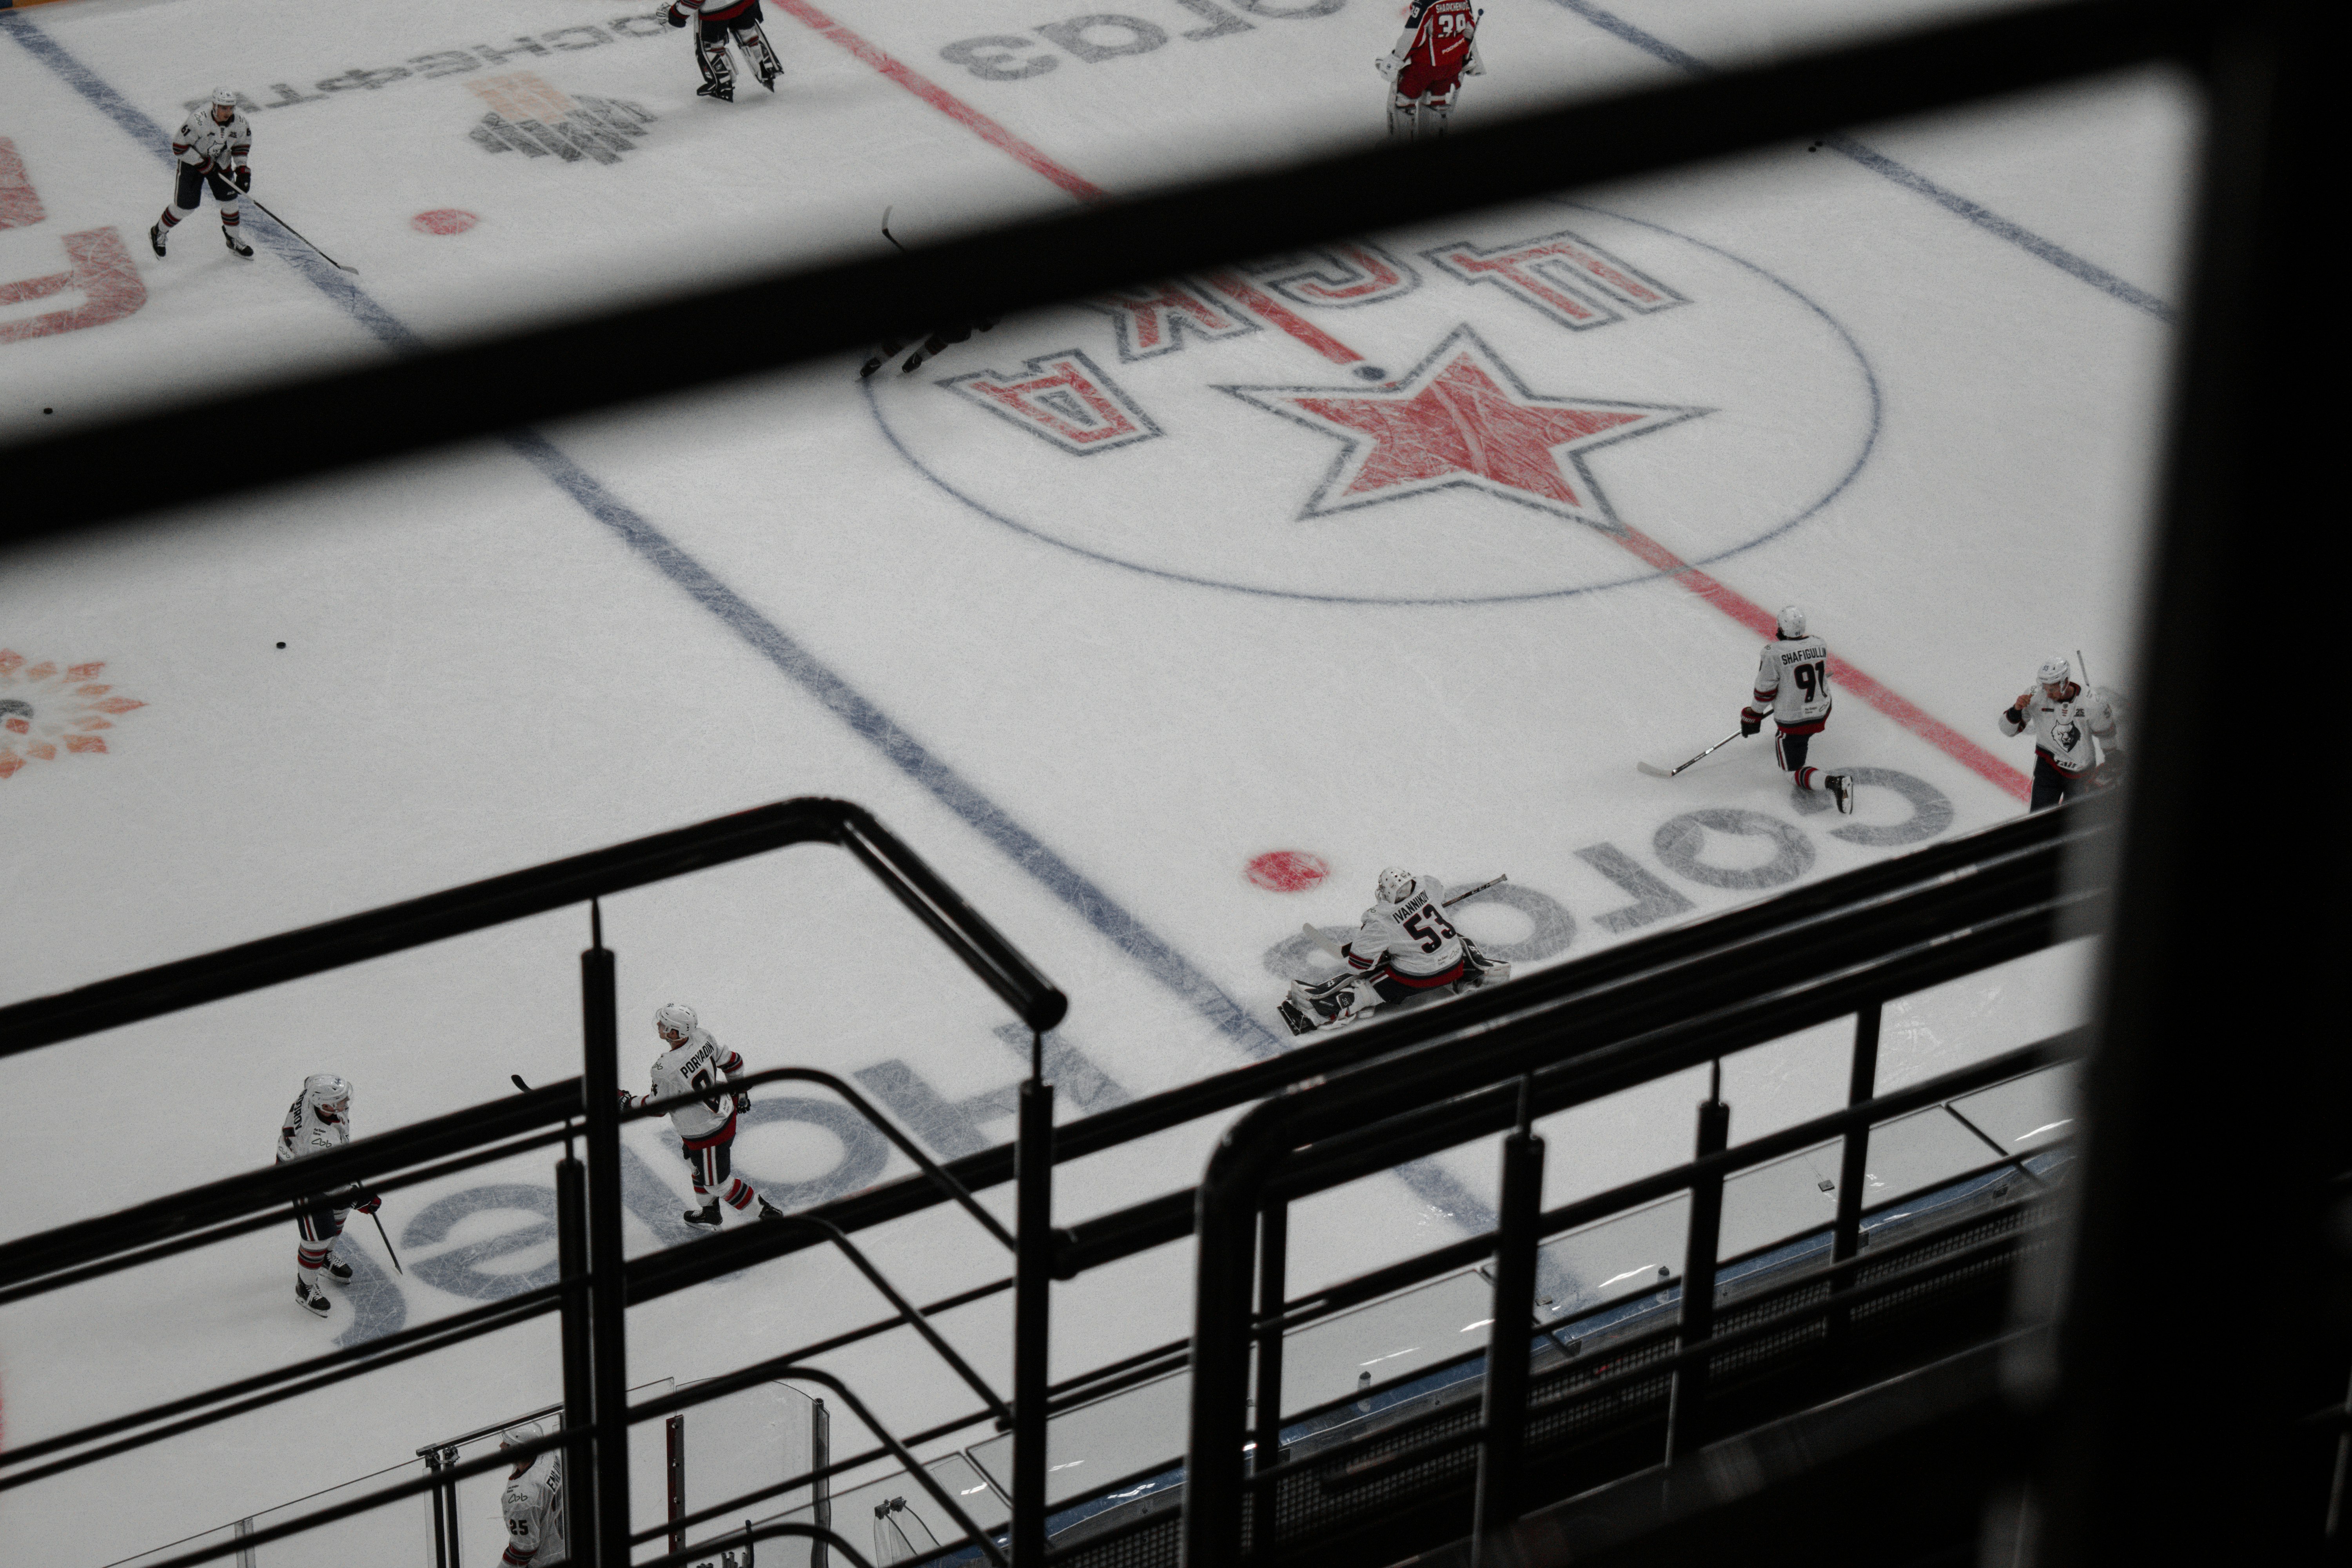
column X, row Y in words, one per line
column 445, row 220
column 1288, row 870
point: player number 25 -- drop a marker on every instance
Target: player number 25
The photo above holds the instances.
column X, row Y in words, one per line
column 1429, row 927
column 1813, row 679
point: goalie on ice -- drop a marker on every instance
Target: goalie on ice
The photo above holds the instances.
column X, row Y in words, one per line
column 713, row 20
column 1406, row 951
column 1438, row 47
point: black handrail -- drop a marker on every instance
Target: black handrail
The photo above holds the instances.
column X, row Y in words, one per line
column 475, row 906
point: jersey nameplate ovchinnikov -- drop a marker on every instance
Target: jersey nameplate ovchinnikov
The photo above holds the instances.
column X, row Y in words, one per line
column 1516, row 406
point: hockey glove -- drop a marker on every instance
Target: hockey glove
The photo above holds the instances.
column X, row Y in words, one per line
column 368, row 1202
column 1387, row 66
column 1750, row 722
column 244, row 178
column 676, row 16
column 1475, row 66
column 742, row 1104
column 2014, row 719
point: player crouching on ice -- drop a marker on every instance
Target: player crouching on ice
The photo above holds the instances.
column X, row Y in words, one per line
column 320, row 1119
column 211, row 149
column 1792, row 689
column 1406, row 951
column 1438, row 47
column 714, row 19
column 2071, row 728
column 693, row 1064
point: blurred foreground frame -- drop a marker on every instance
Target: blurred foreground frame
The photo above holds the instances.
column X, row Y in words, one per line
column 2185, row 1369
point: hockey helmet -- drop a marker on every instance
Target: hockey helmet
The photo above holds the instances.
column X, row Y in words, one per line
column 2054, row 671
column 519, row 1433
column 673, row 1018
column 1396, row 885
column 327, row 1094
column 223, row 98
column 1792, row 621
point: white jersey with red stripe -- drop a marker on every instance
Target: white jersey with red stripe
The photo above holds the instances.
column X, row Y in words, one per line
column 2066, row 728
column 1413, row 934
column 305, row 1131
column 697, row 1066
column 1792, row 684
column 203, row 140
column 534, row 1506
column 1437, row 35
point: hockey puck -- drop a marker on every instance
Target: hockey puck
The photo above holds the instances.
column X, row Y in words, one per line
column 1372, row 373
column 444, row 220
column 1288, row 870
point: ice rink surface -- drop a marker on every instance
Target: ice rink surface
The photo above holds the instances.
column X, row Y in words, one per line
column 1399, row 551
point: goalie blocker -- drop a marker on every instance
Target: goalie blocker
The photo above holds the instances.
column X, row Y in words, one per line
column 1405, row 951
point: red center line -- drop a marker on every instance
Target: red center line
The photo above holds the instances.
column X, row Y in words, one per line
column 1740, row 608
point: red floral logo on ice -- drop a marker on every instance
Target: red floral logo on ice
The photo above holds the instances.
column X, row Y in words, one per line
column 47, row 709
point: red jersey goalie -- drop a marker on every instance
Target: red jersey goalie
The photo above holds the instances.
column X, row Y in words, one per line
column 1438, row 47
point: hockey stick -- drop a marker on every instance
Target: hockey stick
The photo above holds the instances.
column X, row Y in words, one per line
column 2082, row 670
column 1315, row 934
column 248, row 196
column 388, row 1252
column 886, row 226
column 1656, row 771
column 518, row 1083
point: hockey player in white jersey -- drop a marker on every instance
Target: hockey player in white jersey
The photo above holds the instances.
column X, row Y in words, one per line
column 320, row 1119
column 1792, row 689
column 211, row 148
column 533, row 1502
column 713, row 20
column 695, row 1064
column 1405, row 950
column 2077, row 734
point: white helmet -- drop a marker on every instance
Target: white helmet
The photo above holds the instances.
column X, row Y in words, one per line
column 1792, row 621
column 519, row 1433
column 223, row 98
column 327, row 1094
column 2053, row 670
column 1396, row 885
column 673, row 1018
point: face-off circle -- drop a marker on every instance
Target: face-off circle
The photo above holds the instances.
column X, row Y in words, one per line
column 1584, row 400
column 1288, row 870
column 444, row 220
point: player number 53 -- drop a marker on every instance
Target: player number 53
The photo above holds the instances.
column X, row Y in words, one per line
column 1428, row 927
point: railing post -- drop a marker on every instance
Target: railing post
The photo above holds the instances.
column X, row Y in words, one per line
column 600, row 1084
column 1684, row 1415
column 440, row 1537
column 1272, row 1266
column 1853, row 1172
column 1032, row 1301
column 673, row 1457
column 819, row 1456
column 578, row 1400
column 1508, row 1336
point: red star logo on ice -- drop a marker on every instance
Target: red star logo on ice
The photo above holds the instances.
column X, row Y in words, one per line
column 1463, row 418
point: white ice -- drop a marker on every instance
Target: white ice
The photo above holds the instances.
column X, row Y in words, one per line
column 477, row 674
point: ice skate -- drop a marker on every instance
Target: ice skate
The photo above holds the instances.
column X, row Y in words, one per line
column 1842, row 788
column 228, row 237
column 310, row 1297
column 767, row 66
column 155, row 236
column 769, row 1211
column 336, row 1270
column 706, row 1218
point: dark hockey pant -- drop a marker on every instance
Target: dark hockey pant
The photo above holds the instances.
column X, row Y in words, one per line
column 321, row 1222
column 191, row 190
column 1790, row 747
column 2052, row 786
column 1390, row 987
column 714, row 1178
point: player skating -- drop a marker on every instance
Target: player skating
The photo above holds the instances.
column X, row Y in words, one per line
column 1405, row 950
column 1438, row 47
column 2072, row 728
column 318, row 1121
column 211, row 148
column 695, row 1064
column 1792, row 689
column 714, row 19
column 533, row 1502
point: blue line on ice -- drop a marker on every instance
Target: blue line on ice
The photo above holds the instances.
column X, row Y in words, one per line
column 1879, row 164
column 1428, row 1181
